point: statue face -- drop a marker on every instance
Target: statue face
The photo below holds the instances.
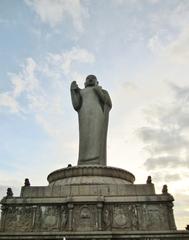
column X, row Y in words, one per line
column 91, row 81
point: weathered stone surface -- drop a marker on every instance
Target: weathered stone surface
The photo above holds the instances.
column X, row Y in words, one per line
column 88, row 213
column 93, row 174
column 142, row 235
column 93, row 105
column 106, row 190
column 85, row 206
column 92, row 201
column 125, row 210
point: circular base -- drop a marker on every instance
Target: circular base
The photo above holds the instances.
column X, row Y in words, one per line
column 90, row 174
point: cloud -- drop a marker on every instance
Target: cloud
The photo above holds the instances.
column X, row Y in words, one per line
column 170, row 35
column 25, row 81
column 165, row 137
column 181, row 208
column 39, row 88
column 176, row 51
column 181, row 93
column 163, row 140
column 165, row 161
column 53, row 12
column 8, row 101
column 66, row 59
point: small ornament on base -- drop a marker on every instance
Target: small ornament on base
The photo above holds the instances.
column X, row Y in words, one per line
column 9, row 193
column 27, row 182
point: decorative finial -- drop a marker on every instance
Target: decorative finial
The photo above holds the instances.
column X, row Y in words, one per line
column 27, row 183
column 165, row 189
column 9, row 192
column 149, row 180
column 69, row 165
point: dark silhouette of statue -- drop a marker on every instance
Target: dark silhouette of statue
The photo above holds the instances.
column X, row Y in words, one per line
column 9, row 193
column 149, row 180
column 93, row 105
column 27, row 182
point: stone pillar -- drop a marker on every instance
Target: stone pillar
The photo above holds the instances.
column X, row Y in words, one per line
column 99, row 215
column 4, row 210
column 70, row 216
column 34, row 216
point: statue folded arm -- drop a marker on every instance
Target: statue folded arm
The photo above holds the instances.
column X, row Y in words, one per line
column 76, row 96
column 93, row 105
column 103, row 96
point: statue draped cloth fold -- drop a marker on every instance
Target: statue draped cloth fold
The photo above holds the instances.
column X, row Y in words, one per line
column 93, row 106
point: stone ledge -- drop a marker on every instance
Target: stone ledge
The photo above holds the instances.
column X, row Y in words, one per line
column 143, row 235
column 88, row 190
column 126, row 199
column 90, row 171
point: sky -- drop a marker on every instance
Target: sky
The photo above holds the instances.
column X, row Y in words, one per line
column 139, row 51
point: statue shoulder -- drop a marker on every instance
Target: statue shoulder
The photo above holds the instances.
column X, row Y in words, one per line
column 107, row 98
column 105, row 92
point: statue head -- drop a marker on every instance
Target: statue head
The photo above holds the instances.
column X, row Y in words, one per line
column 91, row 81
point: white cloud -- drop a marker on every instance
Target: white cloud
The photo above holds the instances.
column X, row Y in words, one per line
column 155, row 45
column 8, row 101
column 26, row 80
column 66, row 59
column 39, row 88
column 176, row 51
column 53, row 12
column 170, row 34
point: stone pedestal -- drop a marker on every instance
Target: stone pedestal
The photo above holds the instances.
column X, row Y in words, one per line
column 90, row 202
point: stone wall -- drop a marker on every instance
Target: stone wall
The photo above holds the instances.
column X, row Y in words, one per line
column 87, row 216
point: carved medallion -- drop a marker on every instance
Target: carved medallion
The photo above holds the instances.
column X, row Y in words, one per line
column 85, row 212
column 120, row 218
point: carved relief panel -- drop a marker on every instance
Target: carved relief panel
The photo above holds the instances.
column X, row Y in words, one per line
column 85, row 218
column 18, row 219
column 120, row 216
column 63, row 217
column 50, row 218
column 153, row 217
column 107, row 217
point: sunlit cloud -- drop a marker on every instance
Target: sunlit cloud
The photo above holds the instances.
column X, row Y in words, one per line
column 42, row 84
column 54, row 12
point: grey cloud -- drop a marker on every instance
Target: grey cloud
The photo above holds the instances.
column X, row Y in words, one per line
column 165, row 177
column 166, row 134
column 182, row 103
column 162, row 162
column 172, row 177
column 161, row 140
column 180, row 92
column 182, row 199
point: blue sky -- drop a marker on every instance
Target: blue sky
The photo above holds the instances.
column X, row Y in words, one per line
column 139, row 51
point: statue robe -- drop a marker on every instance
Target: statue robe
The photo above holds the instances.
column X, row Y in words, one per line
column 93, row 123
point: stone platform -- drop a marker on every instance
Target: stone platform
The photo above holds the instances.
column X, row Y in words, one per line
column 90, row 202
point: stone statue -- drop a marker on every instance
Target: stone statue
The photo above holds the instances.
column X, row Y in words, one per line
column 9, row 193
column 93, row 105
column 165, row 189
column 149, row 180
column 27, row 182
